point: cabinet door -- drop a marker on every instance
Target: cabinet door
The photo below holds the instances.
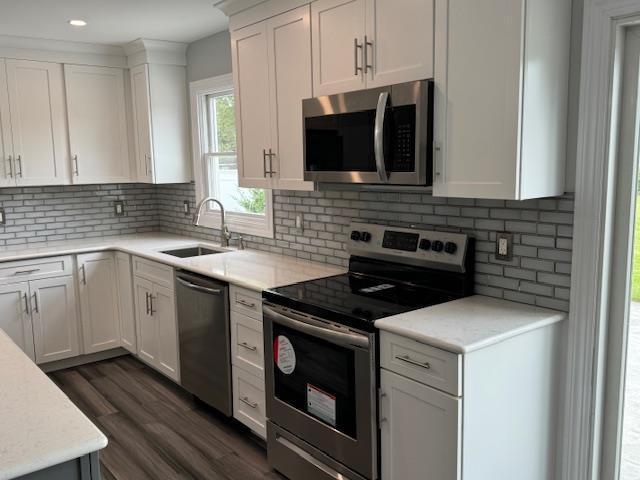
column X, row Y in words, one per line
column 97, row 124
column 289, row 52
column 16, row 319
column 99, row 302
column 125, row 302
column 146, row 327
column 338, row 29
column 163, row 311
column 6, row 147
column 401, row 37
column 142, row 122
column 478, row 114
column 420, row 430
column 251, row 80
column 38, row 122
column 55, row 324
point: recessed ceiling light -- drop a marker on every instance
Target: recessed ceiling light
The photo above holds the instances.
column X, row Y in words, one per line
column 78, row 23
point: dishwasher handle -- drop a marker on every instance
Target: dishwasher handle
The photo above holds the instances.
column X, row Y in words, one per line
column 193, row 286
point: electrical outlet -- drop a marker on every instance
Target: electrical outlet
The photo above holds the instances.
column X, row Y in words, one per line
column 3, row 218
column 504, row 246
column 118, row 208
column 186, row 207
column 299, row 222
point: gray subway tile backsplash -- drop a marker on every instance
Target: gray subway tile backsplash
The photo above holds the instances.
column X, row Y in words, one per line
column 538, row 274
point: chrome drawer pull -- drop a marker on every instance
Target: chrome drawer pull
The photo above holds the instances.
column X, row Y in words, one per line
column 246, row 401
column 408, row 359
column 248, row 347
column 246, row 304
column 27, row 272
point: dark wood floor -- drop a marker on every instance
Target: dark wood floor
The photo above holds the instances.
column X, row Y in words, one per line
column 156, row 430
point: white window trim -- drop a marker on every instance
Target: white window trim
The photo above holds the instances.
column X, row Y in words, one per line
column 237, row 223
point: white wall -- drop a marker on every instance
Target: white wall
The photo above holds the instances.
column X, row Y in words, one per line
column 209, row 57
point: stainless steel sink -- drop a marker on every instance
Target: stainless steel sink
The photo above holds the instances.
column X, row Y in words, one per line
column 191, row 252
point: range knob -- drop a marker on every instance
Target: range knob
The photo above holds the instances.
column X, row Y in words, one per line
column 355, row 236
column 450, row 248
column 365, row 237
column 425, row 244
column 437, row 246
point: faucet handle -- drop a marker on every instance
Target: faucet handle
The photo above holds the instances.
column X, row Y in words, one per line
column 240, row 241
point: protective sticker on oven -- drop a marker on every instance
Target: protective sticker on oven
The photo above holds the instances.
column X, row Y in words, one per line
column 284, row 354
column 321, row 404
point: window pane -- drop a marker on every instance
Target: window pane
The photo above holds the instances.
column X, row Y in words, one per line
column 222, row 175
column 222, row 124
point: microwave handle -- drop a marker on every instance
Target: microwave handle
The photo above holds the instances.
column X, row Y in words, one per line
column 378, row 137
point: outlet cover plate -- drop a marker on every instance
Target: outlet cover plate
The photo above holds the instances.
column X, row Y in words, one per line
column 118, row 208
column 504, row 246
column 3, row 218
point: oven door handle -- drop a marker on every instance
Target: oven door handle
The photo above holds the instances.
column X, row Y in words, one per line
column 378, row 137
column 338, row 338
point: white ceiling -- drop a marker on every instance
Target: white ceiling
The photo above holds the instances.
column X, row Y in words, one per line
column 111, row 22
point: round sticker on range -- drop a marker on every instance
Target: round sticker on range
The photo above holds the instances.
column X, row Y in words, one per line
column 284, row 354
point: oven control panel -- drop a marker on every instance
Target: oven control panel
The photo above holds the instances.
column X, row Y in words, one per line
column 443, row 250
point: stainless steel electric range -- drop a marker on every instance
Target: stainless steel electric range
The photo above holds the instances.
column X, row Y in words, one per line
column 321, row 352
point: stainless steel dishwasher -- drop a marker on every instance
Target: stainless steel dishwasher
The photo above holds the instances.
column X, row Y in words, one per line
column 204, row 332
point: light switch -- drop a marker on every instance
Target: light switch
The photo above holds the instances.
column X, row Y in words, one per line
column 504, row 246
column 3, row 219
column 185, row 207
column 118, row 208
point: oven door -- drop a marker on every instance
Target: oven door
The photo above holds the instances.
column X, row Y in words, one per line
column 376, row 136
column 320, row 386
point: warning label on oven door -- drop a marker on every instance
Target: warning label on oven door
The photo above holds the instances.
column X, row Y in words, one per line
column 284, row 354
column 321, row 404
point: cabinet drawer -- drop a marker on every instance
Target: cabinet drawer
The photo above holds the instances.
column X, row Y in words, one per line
column 11, row 272
column 155, row 272
column 246, row 301
column 425, row 364
column 249, row 401
column 247, row 344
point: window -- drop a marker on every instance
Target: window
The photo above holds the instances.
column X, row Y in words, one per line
column 248, row 210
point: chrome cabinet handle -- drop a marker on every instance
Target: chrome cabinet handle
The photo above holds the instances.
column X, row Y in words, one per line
column 271, row 170
column 36, row 307
column 151, row 310
column 246, row 304
column 27, row 272
column 247, row 401
column 19, row 160
column 264, row 162
column 248, row 347
column 378, row 137
column 367, row 44
column 147, row 163
column 408, row 359
column 147, row 302
column 356, row 46
column 76, row 170
column 84, row 274
column 10, row 160
column 26, row 303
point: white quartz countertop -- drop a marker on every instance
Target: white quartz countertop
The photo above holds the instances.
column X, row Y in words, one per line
column 245, row 268
column 39, row 426
column 468, row 324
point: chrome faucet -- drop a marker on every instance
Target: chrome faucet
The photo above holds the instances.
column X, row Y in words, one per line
column 225, row 234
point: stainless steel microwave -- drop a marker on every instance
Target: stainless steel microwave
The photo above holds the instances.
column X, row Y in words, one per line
column 376, row 136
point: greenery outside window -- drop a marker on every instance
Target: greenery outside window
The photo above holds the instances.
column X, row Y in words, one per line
column 248, row 210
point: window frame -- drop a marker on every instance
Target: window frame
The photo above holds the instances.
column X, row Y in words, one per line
column 244, row 223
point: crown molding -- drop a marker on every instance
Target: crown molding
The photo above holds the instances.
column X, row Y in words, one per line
column 232, row 7
column 144, row 50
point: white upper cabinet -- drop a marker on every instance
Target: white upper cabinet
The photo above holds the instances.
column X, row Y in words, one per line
column 97, row 124
column 272, row 75
column 99, row 302
column 160, row 123
column 501, row 81
column 400, row 41
column 6, row 145
column 37, row 121
column 338, row 36
column 370, row 43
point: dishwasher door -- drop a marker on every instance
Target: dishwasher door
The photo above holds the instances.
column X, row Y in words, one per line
column 204, row 333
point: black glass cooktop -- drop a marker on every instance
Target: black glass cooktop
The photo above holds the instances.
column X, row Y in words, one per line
column 355, row 299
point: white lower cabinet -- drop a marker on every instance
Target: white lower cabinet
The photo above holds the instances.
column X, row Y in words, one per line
column 99, row 302
column 249, row 402
column 156, row 325
column 55, row 323
column 125, row 302
column 16, row 316
column 419, row 430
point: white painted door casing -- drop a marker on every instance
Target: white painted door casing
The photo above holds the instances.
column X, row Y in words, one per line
column 126, row 306
column 55, row 323
column 100, row 315
column 16, row 316
column 420, row 430
column 98, row 136
column 38, row 122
